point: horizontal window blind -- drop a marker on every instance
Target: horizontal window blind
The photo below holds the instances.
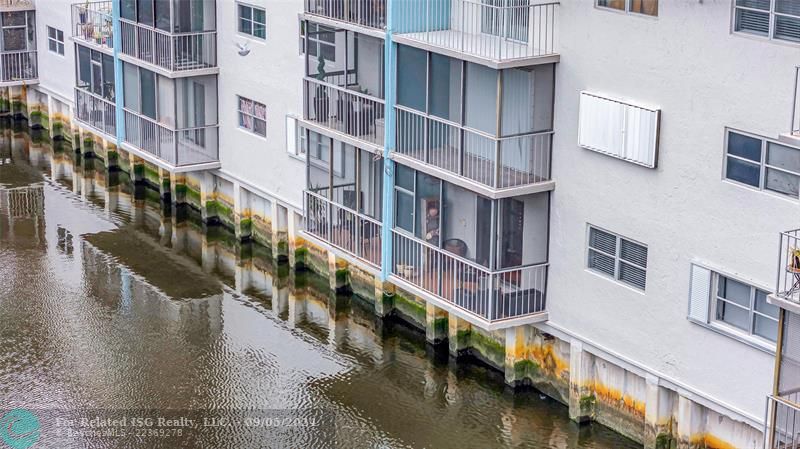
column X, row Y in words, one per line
column 617, row 257
column 619, row 129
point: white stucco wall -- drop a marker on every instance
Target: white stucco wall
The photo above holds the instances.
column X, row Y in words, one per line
column 270, row 74
column 687, row 62
column 56, row 72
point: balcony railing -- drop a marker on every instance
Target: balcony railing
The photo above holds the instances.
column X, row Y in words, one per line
column 788, row 283
column 782, row 423
column 18, row 66
column 95, row 111
column 349, row 112
column 796, row 108
column 495, row 162
column 175, row 52
column 368, row 13
column 344, row 228
column 181, row 147
column 93, row 23
column 490, row 295
column 493, row 29
column 17, row 5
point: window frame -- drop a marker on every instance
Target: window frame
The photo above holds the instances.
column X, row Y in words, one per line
column 715, row 299
column 300, row 137
column 59, row 44
column 253, row 117
column 618, row 260
column 312, row 39
column 772, row 17
column 762, row 164
column 239, row 18
column 627, row 9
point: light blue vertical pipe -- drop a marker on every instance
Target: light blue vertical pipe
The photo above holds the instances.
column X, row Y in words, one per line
column 389, row 71
column 119, row 91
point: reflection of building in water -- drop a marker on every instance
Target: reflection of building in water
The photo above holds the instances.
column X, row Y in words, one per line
column 23, row 202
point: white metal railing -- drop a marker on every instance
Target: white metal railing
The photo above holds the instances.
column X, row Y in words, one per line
column 343, row 110
column 782, row 425
column 172, row 51
column 18, row 66
column 788, row 282
column 95, row 111
column 93, row 23
column 491, row 295
column 368, row 13
column 494, row 29
column 796, row 105
column 181, row 147
column 495, row 162
column 344, row 228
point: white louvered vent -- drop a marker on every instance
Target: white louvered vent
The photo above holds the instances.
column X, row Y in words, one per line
column 700, row 294
column 619, row 129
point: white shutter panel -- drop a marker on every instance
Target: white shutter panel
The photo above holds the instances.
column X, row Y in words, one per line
column 618, row 129
column 699, row 294
column 291, row 134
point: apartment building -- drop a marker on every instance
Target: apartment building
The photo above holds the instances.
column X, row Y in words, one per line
column 582, row 194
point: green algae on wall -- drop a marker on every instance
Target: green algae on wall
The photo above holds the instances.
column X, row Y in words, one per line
column 411, row 309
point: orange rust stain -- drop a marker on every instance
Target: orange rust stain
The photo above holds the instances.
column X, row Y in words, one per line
column 713, row 442
column 615, row 397
column 546, row 357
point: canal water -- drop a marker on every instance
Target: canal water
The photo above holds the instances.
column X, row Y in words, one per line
column 109, row 304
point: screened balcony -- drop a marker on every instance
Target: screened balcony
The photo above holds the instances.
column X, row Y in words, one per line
column 367, row 13
column 783, row 406
column 343, row 84
column 494, row 31
column 485, row 257
column 343, row 198
column 95, row 94
column 178, row 36
column 173, row 122
column 491, row 127
column 92, row 23
column 18, row 63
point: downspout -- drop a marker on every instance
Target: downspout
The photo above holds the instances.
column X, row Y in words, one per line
column 119, row 90
column 389, row 70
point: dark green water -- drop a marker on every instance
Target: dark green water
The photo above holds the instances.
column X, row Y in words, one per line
column 108, row 303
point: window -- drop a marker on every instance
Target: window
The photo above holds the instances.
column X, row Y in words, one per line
column 762, row 163
column 253, row 21
column 731, row 305
column 302, row 37
column 55, row 40
column 95, row 72
column 617, row 257
column 619, row 129
column 775, row 19
column 321, row 42
column 296, row 143
column 646, row 7
column 19, row 30
column 253, row 116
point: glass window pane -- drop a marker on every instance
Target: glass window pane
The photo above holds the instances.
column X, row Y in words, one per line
column 632, row 275
column 744, row 146
column 411, row 80
column 259, row 30
column 60, row 35
column 146, row 14
column 128, row 9
column 51, row 32
column 633, row 253
column 14, row 39
column 755, row 4
column 733, row 315
column 84, row 67
column 428, row 196
column 603, row 241
column 245, row 12
column 734, row 291
column 615, row 4
column 51, row 44
column 787, row 28
column 13, row 18
column 445, row 87
column 753, row 22
column 260, row 127
column 648, row 7
column 766, row 328
column 259, row 16
column 782, row 182
column 783, row 157
column 481, row 98
column 404, row 213
column 744, row 172
column 601, row 262
column 763, row 306
column 245, row 26
column 405, row 177
column 148, row 91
